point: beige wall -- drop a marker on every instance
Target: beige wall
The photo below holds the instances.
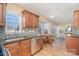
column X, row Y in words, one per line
column 18, row 9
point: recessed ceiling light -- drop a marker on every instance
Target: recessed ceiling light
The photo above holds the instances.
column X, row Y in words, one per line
column 51, row 16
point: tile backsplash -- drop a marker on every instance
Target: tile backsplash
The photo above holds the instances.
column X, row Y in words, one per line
column 75, row 31
column 24, row 33
column 31, row 30
column 2, row 29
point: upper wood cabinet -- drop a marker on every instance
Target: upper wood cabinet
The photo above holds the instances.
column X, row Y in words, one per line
column 29, row 20
column 2, row 14
column 36, row 21
column 76, row 18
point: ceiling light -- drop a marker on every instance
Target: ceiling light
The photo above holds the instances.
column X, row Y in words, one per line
column 51, row 16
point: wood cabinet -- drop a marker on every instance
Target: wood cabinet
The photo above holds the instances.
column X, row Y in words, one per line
column 25, row 17
column 19, row 48
column 72, row 44
column 25, row 47
column 76, row 18
column 13, row 48
column 36, row 21
column 29, row 19
column 2, row 14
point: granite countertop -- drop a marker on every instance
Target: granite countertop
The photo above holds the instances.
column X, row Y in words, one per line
column 72, row 35
column 75, row 36
column 22, row 38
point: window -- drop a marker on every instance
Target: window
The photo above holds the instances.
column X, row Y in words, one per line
column 43, row 26
column 12, row 22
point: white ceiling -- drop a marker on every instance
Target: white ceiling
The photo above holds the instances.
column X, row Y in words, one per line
column 62, row 12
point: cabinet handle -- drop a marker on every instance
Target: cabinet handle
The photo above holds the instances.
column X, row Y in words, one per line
column 7, row 51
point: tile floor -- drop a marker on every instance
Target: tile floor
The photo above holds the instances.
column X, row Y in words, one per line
column 49, row 50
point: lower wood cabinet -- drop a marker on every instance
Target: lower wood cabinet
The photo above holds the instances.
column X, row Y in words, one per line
column 72, row 44
column 25, row 46
column 13, row 48
column 19, row 48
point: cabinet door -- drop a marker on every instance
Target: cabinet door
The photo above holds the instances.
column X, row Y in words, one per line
column 33, row 20
column 71, row 43
column 2, row 10
column 36, row 21
column 13, row 48
column 25, row 18
column 1, row 13
column 30, row 21
column 25, row 47
column 76, row 18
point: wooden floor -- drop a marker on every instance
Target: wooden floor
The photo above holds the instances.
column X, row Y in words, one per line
column 49, row 50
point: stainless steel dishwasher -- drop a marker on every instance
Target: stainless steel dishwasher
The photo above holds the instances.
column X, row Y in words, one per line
column 34, row 45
